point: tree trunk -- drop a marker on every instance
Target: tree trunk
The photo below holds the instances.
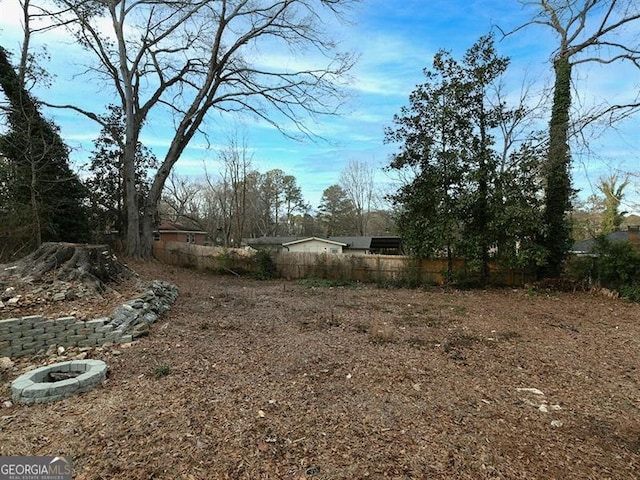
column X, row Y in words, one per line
column 558, row 193
column 93, row 265
column 35, row 210
column 146, row 235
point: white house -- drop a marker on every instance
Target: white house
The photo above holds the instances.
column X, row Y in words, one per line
column 314, row 245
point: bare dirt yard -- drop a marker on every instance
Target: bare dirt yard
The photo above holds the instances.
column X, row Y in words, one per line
column 246, row 379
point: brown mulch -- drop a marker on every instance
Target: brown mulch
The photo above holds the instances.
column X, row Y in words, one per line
column 246, row 379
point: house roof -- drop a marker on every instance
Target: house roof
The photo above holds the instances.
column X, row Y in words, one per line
column 352, row 242
column 270, row 240
column 177, row 228
column 356, row 243
column 310, row 239
column 587, row 246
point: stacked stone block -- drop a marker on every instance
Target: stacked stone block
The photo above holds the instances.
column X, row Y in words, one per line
column 30, row 335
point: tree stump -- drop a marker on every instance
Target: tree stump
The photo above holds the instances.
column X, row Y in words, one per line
column 92, row 265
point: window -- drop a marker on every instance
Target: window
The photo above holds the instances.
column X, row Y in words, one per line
column 334, row 250
column 156, row 236
column 191, row 238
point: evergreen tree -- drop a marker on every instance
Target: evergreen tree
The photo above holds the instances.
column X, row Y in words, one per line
column 41, row 196
column 463, row 199
column 433, row 133
column 336, row 212
column 106, row 183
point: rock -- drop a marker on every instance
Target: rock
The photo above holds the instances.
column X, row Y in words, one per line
column 52, row 350
column 535, row 391
column 80, row 356
column 58, row 297
column 7, row 404
column 6, row 363
column 8, row 293
column 140, row 330
column 13, row 300
column 61, row 350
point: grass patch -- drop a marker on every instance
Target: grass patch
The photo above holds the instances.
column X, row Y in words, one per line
column 162, row 371
column 324, row 283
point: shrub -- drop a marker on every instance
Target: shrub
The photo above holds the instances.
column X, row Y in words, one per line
column 265, row 267
column 162, row 371
column 631, row 292
column 614, row 265
column 617, row 264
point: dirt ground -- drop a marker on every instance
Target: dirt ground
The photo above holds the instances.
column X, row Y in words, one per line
column 246, row 379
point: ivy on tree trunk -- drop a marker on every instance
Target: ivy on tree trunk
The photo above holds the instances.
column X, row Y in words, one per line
column 557, row 238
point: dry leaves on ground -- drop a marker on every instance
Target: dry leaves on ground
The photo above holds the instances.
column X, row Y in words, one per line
column 245, row 379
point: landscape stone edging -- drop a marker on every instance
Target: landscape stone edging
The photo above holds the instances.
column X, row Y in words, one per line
column 32, row 387
column 30, row 335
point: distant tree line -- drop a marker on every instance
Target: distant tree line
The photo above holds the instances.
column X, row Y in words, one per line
column 241, row 202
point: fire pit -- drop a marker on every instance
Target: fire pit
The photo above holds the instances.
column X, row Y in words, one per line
column 57, row 381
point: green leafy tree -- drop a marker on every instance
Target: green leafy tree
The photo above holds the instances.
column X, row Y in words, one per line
column 42, row 198
column 107, row 194
column 481, row 68
column 336, row 212
column 518, row 206
column 294, row 205
column 465, row 199
column 432, row 132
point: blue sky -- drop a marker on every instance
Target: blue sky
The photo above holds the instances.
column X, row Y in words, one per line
column 395, row 41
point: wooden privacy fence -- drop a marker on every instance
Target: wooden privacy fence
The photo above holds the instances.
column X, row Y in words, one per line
column 217, row 259
column 363, row 268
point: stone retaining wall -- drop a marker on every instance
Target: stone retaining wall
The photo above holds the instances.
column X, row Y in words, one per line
column 29, row 335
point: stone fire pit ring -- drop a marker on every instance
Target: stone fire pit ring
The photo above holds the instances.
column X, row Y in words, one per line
column 57, row 381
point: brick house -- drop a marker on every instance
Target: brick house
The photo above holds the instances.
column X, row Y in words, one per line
column 176, row 232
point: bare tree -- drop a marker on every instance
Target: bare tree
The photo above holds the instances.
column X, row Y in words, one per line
column 358, row 181
column 228, row 193
column 588, row 31
column 36, row 20
column 181, row 199
column 189, row 57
